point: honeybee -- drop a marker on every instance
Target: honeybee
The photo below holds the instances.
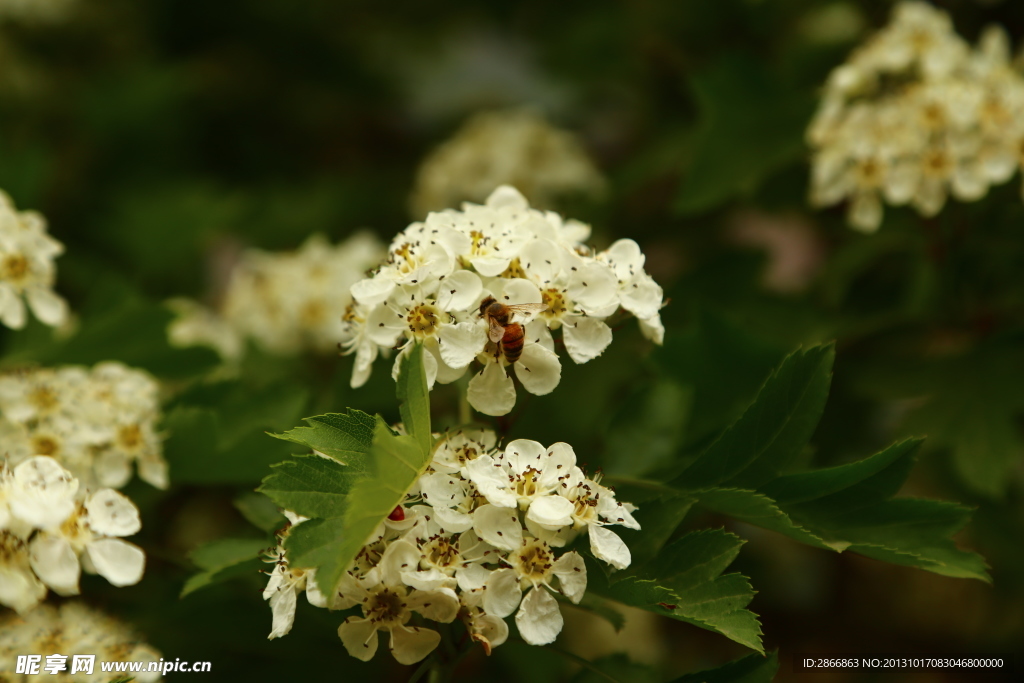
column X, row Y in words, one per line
column 507, row 335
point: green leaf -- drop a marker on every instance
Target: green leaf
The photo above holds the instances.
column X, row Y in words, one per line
column 773, row 431
column 347, row 500
column 215, row 431
column 753, row 668
column 414, row 398
column 347, row 437
column 755, row 508
column 224, row 559
column 734, row 151
column 260, row 511
column 721, row 365
column 971, row 405
column 685, row 582
column 311, row 485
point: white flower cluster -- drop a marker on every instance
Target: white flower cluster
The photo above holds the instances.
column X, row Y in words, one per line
column 291, row 301
column 96, row 422
column 440, row 271
column 26, row 268
column 515, row 147
column 50, row 530
column 71, row 629
column 479, row 538
column 916, row 114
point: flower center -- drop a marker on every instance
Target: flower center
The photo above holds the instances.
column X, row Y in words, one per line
column 10, row 547
column 43, row 398
column 526, row 483
column 555, row 301
column 534, row 561
column 129, row 437
column 514, row 270
column 439, row 552
column 15, row 267
column 312, row 313
column 423, row 320
column 44, row 445
column 386, row 607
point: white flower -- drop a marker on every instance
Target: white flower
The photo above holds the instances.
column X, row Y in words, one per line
column 26, row 268
column 291, row 301
column 533, row 567
column 440, row 271
column 282, row 589
column 20, row 589
column 96, row 422
column 915, row 115
column 41, row 493
column 516, row 147
column 388, row 606
column 73, row 628
column 197, row 325
column 92, row 535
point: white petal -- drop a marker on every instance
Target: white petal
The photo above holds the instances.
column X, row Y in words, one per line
column 626, row 258
column 441, row 490
column 12, row 309
column 42, row 492
column 459, row 291
column 499, row 526
column 642, row 297
column 607, row 546
column 282, row 606
column 452, row 521
column 313, row 593
column 491, row 480
column 523, row 453
column 153, row 471
column 460, row 343
column 572, row 576
column 502, row 593
column 372, row 291
column 539, row 369
column 441, row 605
column 112, row 468
column 400, row 556
column 653, row 329
column 539, row 258
column 110, row 513
column 20, row 589
column 55, row 563
column 410, row 644
column 593, row 286
column 519, row 291
column 383, row 325
column 48, row 307
column 552, row 512
column 427, row 580
column 359, row 636
column 507, row 197
column 489, row 630
column 492, row 392
column 586, row 338
column 119, row 562
column 539, row 619
column 472, row 577
column 490, row 266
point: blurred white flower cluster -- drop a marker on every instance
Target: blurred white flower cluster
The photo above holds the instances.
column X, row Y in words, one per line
column 478, row 538
column 915, row 114
column 26, row 268
column 440, row 271
column 96, row 422
column 285, row 301
column 51, row 529
column 515, row 147
column 71, row 629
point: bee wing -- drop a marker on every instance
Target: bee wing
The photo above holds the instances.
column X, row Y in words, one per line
column 528, row 310
column 494, row 330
